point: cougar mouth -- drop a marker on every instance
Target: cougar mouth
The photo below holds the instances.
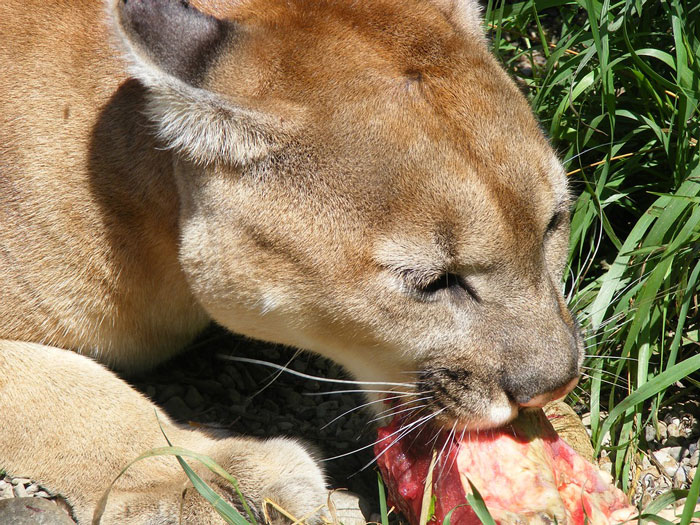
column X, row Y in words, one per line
column 460, row 399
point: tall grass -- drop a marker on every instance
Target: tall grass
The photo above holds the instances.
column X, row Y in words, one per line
column 616, row 85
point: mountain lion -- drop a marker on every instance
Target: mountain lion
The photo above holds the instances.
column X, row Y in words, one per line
column 357, row 178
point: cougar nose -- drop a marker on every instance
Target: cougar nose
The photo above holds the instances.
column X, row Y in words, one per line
column 542, row 399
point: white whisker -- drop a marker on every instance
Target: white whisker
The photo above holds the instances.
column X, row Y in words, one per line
column 622, row 382
column 359, row 391
column 394, row 414
column 611, row 357
column 372, row 444
column 422, row 421
column 358, row 407
column 404, row 404
column 307, row 376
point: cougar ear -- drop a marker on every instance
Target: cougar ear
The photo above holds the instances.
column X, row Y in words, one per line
column 171, row 47
column 465, row 15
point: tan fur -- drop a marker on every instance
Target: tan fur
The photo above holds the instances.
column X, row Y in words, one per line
column 301, row 180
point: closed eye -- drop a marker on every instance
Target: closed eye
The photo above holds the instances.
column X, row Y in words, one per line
column 432, row 284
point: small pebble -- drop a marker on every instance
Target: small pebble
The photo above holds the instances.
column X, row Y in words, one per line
column 694, row 458
column 21, row 481
column 673, row 430
column 675, row 452
column 32, row 489
column 170, row 391
column 194, row 399
column 649, row 433
column 679, row 478
column 20, row 491
column 691, row 474
column 6, row 491
column 605, row 465
column 669, row 464
column 177, row 408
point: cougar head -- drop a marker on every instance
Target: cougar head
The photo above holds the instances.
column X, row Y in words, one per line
column 362, row 179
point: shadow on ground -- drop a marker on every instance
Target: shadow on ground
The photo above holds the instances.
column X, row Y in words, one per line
column 203, row 389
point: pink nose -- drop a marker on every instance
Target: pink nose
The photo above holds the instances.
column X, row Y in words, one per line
column 543, row 399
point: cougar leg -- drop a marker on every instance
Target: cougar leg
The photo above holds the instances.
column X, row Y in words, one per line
column 72, row 425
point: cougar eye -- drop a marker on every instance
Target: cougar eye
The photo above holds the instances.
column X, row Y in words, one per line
column 431, row 285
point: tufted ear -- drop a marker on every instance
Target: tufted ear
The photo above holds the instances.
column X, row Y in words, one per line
column 465, row 15
column 171, row 47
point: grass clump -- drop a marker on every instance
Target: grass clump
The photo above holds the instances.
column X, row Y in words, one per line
column 616, row 85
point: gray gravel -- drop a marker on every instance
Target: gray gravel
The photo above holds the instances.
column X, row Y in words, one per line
column 669, row 451
column 201, row 388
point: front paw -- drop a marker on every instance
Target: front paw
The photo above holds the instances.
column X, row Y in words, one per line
column 283, row 480
column 278, row 478
column 287, row 485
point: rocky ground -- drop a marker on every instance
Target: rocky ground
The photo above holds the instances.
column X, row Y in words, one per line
column 203, row 389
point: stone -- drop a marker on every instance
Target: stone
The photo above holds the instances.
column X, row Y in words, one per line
column 605, row 465
column 691, row 474
column 649, row 433
column 21, row 481
column 694, row 458
column 6, row 490
column 675, row 452
column 32, row 489
column 20, row 491
column 177, row 408
column 32, row 511
column 666, row 461
column 673, row 430
column 663, row 433
column 193, row 398
column 170, row 391
column 679, row 478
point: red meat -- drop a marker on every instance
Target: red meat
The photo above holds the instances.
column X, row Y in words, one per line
column 525, row 473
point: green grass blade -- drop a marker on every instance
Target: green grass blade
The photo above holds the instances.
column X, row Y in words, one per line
column 384, row 513
column 476, row 502
column 649, row 389
column 691, row 502
column 226, row 511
